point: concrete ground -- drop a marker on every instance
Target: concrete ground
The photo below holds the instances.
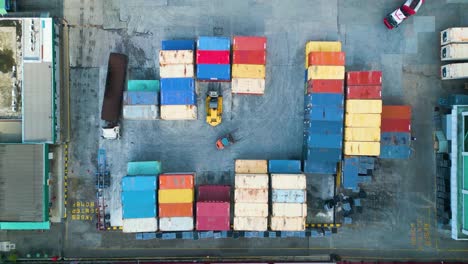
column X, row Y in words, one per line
column 398, row 219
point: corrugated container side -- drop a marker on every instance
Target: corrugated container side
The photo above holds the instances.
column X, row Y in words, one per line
column 178, row 112
column 395, row 138
column 139, row 183
column 325, row 73
column 364, row 106
column 175, row 57
column 364, row 92
column 320, row 167
column 176, row 210
column 176, row 224
column 211, row 193
column 140, row 112
column 395, row 152
column 176, row 71
column 288, row 196
column 257, row 57
column 289, row 209
column 320, row 46
column 215, row 223
column 213, row 56
column 396, row 125
column 325, row 140
column 175, row 196
column 454, row 52
column 178, row 45
column 144, row 168
column 326, row 99
column 324, row 127
column 248, row 86
column 138, row 225
column 251, row 166
column 284, row 166
column 178, row 91
column 364, row 78
column 176, row 181
column 325, row 86
column 141, row 98
column 324, row 154
column 288, row 181
column 138, row 204
column 248, row 43
column 251, row 181
column 248, row 71
column 213, row 43
column 213, row 208
column 250, row 223
column 362, row 148
column 454, row 35
column 214, row 72
column 143, row 85
column 287, row 223
column 251, row 195
column 327, row 58
column 362, row 120
column 324, row 113
column 454, row 71
column 396, row 112
column 362, row 134
column 251, row 209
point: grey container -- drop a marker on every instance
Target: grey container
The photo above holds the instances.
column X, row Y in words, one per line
column 141, row 112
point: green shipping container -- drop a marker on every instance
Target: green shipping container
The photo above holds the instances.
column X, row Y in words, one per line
column 144, row 168
column 143, row 85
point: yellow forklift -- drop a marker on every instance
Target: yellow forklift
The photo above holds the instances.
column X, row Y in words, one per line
column 214, row 107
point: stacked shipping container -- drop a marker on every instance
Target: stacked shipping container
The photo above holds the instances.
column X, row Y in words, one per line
column 249, row 65
column 176, row 192
column 213, row 208
column 178, row 93
column 455, row 49
column 324, row 101
column 141, row 100
column 251, row 195
column 363, row 108
column 396, row 132
column 213, row 59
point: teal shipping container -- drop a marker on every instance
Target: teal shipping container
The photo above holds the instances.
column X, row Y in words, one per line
column 144, row 168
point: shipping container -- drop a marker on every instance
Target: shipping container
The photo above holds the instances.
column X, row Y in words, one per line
column 176, row 181
column 251, row 209
column 248, row 71
column 138, row 204
column 325, row 140
column 396, row 125
column 325, row 73
column 140, row 98
column 362, row 120
column 138, row 183
column 248, row 86
column 214, row 72
column 257, row 57
column 167, row 57
column 288, row 223
column 327, row 58
column 454, row 35
column 454, row 52
column 396, row 112
column 289, row 209
column 115, row 83
column 213, row 56
column 362, row 148
column 178, row 45
column 324, row 154
column 213, row 223
column 454, row 71
column 325, row 86
column 175, row 210
column 284, row 166
column 288, row 196
column 288, row 181
column 251, row 166
column 324, row 113
column 143, row 168
column 178, row 91
column 138, row 225
column 395, row 152
column 176, row 224
column 395, row 139
column 143, row 85
column 243, row 223
column 176, row 71
column 364, row 92
column 362, row 134
column 248, row 43
column 213, row 208
column 320, row 46
column 213, row 43
column 320, row 166
column 325, row 99
column 251, row 195
column 140, row 112
column 324, row 127
column 175, row 196
column 364, row 78
column 214, row 193
column 364, row 106
column 178, row 112
column 251, row 181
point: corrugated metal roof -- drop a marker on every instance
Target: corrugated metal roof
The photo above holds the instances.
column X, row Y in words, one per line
column 37, row 103
column 21, row 182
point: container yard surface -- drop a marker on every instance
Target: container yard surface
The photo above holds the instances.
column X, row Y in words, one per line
column 398, row 220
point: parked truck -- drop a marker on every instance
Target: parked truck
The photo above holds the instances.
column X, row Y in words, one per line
column 113, row 94
column 454, row 35
column 458, row 51
column 454, row 71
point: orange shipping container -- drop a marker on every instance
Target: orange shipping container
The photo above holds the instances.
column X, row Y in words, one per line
column 175, row 181
column 176, row 210
column 327, row 58
column 396, row 112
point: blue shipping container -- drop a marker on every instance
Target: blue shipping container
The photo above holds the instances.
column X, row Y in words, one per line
column 214, row 72
column 139, row 183
column 325, row 140
column 284, row 166
column 395, row 138
column 322, row 113
column 288, row 196
column 324, row 99
column 140, row 98
column 394, row 152
column 350, row 173
column 213, row 43
column 324, row 127
column 178, row 45
column 139, row 204
column 178, row 91
column 324, row 154
column 319, row 167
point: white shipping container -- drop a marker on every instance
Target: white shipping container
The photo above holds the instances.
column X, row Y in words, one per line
column 454, row 71
column 251, row 181
column 289, row 209
column 248, row 86
column 140, row 112
column 175, row 57
column 454, row 52
column 136, row 225
column 454, row 35
column 288, row 181
column 176, row 223
column 178, row 112
column 243, row 223
column 287, row 223
column 251, row 195
column 251, row 209
column 251, row 166
column 176, row 71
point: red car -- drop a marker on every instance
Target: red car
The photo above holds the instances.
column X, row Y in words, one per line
column 409, row 8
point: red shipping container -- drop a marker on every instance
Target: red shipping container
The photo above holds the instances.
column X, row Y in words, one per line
column 214, row 193
column 175, row 181
column 396, row 112
column 213, row 56
column 396, row 125
column 364, row 78
column 327, row 58
column 213, row 216
column 257, row 57
column 248, row 43
column 215, row 223
column 213, row 208
column 176, row 210
column 364, row 92
column 325, row 86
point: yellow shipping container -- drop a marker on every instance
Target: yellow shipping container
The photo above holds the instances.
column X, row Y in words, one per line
column 362, row 134
column 175, row 196
column 325, row 73
column 362, row 148
column 363, row 120
column 248, row 71
column 364, row 106
column 320, row 46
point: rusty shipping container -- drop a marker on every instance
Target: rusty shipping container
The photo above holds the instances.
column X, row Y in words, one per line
column 325, row 86
column 167, row 57
column 364, row 78
column 396, row 112
column 251, row 181
column 176, row 181
column 115, row 82
column 364, row 92
column 251, row 195
column 251, row 166
column 176, row 210
column 327, row 58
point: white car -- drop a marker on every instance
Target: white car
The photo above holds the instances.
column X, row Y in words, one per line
column 409, row 8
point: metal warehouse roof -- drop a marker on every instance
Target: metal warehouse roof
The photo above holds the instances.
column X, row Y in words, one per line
column 22, row 170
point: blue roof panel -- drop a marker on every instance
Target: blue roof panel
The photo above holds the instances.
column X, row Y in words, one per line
column 178, row 91
column 139, row 183
column 178, row 45
column 213, row 43
column 214, row 72
column 139, row 204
